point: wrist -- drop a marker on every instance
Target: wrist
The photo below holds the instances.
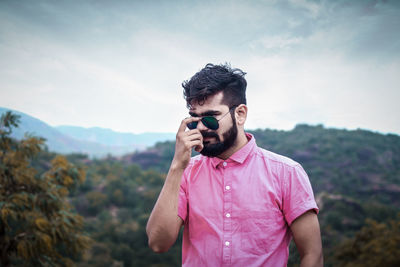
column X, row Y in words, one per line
column 177, row 166
column 175, row 173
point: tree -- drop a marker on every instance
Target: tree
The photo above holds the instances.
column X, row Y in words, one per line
column 37, row 225
column 376, row 244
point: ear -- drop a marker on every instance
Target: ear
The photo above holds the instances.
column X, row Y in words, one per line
column 241, row 114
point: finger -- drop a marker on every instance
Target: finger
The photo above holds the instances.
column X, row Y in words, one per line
column 193, row 132
column 197, row 145
column 194, row 136
column 185, row 121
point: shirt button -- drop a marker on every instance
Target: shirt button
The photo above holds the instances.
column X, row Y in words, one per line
column 228, row 215
column 227, row 187
column 227, row 243
column 224, row 164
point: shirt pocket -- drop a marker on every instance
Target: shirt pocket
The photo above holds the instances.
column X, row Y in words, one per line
column 258, row 231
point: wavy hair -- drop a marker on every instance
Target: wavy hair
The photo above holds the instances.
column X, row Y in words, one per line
column 213, row 79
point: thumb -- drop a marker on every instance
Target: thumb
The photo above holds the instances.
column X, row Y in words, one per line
column 199, row 148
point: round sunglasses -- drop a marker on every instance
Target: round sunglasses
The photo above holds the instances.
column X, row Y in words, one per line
column 209, row 121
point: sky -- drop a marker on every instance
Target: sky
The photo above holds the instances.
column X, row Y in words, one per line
column 120, row 64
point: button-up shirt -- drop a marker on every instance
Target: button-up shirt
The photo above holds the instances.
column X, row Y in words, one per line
column 237, row 211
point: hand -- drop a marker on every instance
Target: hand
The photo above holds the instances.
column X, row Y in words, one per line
column 185, row 141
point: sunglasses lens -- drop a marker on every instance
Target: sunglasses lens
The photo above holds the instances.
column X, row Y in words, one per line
column 192, row 125
column 210, row 122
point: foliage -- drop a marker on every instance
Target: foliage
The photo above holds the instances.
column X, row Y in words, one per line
column 355, row 176
column 376, row 244
column 358, row 163
column 116, row 204
column 37, row 225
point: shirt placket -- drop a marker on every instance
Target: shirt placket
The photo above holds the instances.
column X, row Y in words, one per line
column 227, row 216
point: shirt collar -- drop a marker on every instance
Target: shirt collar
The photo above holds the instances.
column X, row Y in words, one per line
column 240, row 155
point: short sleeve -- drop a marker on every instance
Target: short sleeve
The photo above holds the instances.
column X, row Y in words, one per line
column 182, row 198
column 298, row 195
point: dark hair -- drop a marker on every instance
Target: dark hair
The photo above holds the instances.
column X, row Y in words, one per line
column 213, row 79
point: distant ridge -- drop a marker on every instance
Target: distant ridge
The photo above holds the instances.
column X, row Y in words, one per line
column 111, row 138
column 96, row 142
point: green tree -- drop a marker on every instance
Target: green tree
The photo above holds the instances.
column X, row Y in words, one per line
column 376, row 244
column 37, row 225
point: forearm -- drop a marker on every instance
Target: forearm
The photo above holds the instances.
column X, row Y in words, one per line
column 164, row 224
column 312, row 260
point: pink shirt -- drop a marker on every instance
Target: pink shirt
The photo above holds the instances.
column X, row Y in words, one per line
column 237, row 211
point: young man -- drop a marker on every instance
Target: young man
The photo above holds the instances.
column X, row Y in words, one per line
column 239, row 204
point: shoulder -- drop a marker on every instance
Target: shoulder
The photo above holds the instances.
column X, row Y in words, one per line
column 194, row 163
column 196, row 160
column 274, row 159
column 286, row 170
column 282, row 168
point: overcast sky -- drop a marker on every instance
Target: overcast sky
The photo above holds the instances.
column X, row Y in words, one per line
column 120, row 64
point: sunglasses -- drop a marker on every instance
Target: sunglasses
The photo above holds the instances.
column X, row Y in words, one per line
column 209, row 121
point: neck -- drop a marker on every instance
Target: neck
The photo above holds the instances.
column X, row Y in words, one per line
column 240, row 142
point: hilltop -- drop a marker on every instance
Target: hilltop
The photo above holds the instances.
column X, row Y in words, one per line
column 95, row 142
column 355, row 176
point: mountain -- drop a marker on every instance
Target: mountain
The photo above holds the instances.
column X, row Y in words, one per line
column 359, row 163
column 111, row 138
column 96, row 142
column 355, row 175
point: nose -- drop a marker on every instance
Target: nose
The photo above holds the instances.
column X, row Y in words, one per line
column 201, row 126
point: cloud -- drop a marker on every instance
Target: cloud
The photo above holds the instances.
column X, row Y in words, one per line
column 120, row 64
column 326, row 90
column 356, row 30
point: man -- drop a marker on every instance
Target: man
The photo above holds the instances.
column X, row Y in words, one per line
column 239, row 204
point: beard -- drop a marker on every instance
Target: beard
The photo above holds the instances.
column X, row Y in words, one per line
column 213, row 150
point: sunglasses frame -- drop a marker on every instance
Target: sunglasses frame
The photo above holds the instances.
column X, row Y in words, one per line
column 193, row 125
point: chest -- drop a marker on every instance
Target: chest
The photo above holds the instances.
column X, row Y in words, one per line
column 236, row 192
